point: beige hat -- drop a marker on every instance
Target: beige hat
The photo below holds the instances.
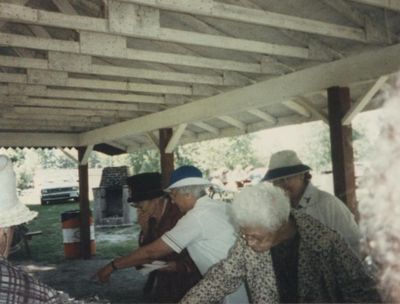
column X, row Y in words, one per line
column 12, row 211
column 284, row 163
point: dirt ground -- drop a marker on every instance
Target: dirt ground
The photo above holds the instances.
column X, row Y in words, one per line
column 74, row 278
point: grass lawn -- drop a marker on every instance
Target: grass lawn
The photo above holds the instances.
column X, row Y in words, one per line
column 48, row 247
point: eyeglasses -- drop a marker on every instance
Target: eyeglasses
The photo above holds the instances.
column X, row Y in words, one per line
column 280, row 181
column 251, row 238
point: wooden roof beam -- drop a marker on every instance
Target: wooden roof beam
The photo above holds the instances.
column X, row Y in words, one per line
column 38, row 139
column 176, row 136
column 124, row 26
column 263, row 115
column 337, row 73
column 299, row 109
column 306, row 103
column 206, row 127
column 215, row 9
column 233, row 122
column 153, row 139
column 128, row 86
column 358, row 106
column 89, row 105
column 374, row 31
column 388, row 4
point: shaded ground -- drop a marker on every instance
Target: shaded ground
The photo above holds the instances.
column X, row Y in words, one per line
column 74, row 278
column 47, row 261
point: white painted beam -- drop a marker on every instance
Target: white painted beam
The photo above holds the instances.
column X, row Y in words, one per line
column 363, row 102
column 233, row 122
column 153, row 139
column 253, row 16
column 176, row 136
column 54, row 117
column 86, row 95
column 65, row 7
column 128, row 86
column 374, row 31
column 264, row 116
column 37, row 139
column 299, row 109
column 41, row 17
column 71, row 112
column 206, row 127
column 313, row 110
column 338, row 73
column 388, row 4
column 86, row 155
column 72, row 47
column 90, row 105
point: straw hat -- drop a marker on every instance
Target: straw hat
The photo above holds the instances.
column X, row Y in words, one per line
column 12, row 211
column 145, row 186
column 187, row 176
column 284, row 163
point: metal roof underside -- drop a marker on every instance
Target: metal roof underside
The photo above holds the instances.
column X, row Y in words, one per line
column 111, row 73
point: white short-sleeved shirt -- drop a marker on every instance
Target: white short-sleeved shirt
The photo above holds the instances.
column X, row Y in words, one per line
column 207, row 234
column 332, row 212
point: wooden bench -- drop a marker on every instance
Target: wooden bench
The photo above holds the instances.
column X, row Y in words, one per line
column 27, row 237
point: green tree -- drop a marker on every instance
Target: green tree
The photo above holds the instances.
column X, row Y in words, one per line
column 218, row 153
column 24, row 164
column 144, row 161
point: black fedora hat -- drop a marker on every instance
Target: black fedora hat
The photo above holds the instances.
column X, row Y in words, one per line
column 144, row 186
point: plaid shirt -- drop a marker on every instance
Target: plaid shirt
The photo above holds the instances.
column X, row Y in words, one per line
column 16, row 286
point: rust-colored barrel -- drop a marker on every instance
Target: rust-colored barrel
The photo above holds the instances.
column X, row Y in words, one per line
column 71, row 234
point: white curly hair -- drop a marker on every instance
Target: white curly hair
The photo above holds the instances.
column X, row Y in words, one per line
column 380, row 208
column 261, row 205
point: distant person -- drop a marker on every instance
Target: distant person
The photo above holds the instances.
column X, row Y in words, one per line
column 287, row 171
column 205, row 230
column 285, row 257
column 157, row 215
column 380, row 207
column 17, row 286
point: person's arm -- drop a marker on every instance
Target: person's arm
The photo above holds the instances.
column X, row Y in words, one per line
column 221, row 280
column 355, row 285
column 140, row 256
column 340, row 219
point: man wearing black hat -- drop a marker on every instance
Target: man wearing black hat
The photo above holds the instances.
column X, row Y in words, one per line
column 288, row 172
column 156, row 215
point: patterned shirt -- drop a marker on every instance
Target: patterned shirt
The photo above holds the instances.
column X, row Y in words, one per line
column 16, row 286
column 327, row 271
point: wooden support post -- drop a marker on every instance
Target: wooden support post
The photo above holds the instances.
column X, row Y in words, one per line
column 339, row 103
column 166, row 159
column 84, row 205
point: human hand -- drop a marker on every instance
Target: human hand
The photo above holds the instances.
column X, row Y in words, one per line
column 171, row 266
column 103, row 274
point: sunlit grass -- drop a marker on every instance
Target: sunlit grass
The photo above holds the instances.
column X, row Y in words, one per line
column 48, row 247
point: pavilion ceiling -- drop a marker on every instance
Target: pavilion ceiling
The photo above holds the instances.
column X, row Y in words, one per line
column 91, row 72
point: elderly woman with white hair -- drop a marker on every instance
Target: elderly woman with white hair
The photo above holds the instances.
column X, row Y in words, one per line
column 285, row 256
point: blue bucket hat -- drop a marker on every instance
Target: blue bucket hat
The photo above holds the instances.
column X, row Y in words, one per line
column 186, row 176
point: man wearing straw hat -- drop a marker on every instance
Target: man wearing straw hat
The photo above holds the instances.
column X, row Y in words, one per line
column 205, row 230
column 16, row 286
column 288, row 172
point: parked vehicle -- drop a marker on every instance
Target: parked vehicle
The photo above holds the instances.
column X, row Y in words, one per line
column 59, row 191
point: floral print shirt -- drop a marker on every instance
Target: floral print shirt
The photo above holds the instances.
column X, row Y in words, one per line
column 328, row 271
